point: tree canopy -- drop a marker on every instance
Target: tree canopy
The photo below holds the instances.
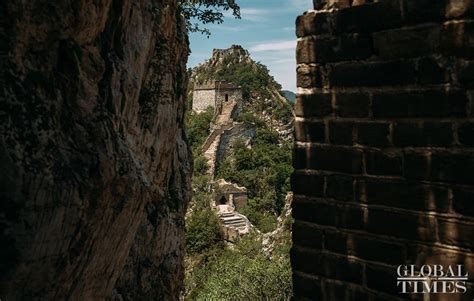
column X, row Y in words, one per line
column 198, row 12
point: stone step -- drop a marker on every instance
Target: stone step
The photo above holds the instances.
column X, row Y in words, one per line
column 238, row 226
column 227, row 214
column 235, row 223
column 211, row 138
column 231, row 218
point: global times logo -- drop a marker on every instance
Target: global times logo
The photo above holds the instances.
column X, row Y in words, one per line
column 432, row 279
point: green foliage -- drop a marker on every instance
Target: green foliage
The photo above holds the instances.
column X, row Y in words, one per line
column 198, row 127
column 200, row 165
column 258, row 86
column 250, row 245
column 283, row 112
column 250, row 77
column 201, row 194
column 264, row 168
column 201, row 199
column 265, row 222
column 243, row 274
column 198, row 12
column 203, row 232
column 250, row 118
column 266, row 137
column 253, row 77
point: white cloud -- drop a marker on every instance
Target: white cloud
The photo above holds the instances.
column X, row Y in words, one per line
column 274, row 46
column 253, row 14
column 253, row 11
column 249, row 14
column 216, row 27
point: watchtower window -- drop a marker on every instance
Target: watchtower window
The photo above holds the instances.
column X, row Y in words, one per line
column 227, row 97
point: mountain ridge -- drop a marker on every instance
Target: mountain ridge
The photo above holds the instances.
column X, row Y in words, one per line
column 262, row 94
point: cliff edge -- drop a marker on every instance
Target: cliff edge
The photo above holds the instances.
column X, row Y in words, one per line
column 95, row 162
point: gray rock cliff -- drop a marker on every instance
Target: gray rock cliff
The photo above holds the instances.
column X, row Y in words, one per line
column 95, row 164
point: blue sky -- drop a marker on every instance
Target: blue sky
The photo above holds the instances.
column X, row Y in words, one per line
column 266, row 30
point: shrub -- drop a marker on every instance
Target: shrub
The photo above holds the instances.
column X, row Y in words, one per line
column 258, row 213
column 200, row 165
column 235, row 276
column 250, row 118
column 284, row 112
column 203, row 232
column 199, row 127
column 264, row 169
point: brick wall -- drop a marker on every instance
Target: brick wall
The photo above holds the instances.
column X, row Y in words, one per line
column 203, row 98
column 384, row 154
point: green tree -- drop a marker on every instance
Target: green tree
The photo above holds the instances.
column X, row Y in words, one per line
column 203, row 232
column 250, row 118
column 197, row 12
column 235, row 276
column 198, row 126
column 251, row 78
column 265, row 170
column 200, row 165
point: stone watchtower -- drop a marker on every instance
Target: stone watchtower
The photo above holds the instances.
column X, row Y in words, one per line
column 214, row 94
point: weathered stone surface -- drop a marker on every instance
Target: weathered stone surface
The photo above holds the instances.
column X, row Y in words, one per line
column 384, row 145
column 214, row 94
column 407, row 42
column 314, row 105
column 240, row 131
column 459, row 8
column 95, row 164
column 328, row 49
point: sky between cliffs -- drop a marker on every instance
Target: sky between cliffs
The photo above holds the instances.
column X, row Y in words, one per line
column 266, row 30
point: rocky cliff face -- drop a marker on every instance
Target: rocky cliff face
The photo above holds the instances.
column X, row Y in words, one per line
column 215, row 67
column 95, row 163
column 261, row 93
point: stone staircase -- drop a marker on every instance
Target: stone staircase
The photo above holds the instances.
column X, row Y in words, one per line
column 225, row 115
column 211, row 152
column 214, row 134
column 233, row 220
column 211, row 146
column 222, row 122
column 211, row 138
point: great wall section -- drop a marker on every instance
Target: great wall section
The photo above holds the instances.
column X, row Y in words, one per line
column 384, row 153
column 226, row 100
